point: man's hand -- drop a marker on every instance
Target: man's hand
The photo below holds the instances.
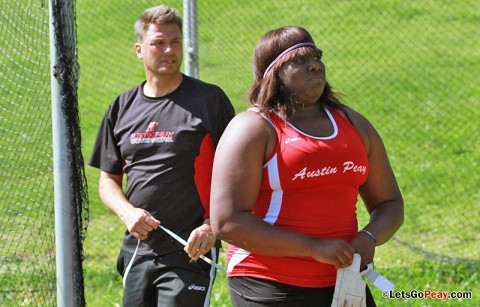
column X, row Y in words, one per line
column 139, row 222
column 200, row 241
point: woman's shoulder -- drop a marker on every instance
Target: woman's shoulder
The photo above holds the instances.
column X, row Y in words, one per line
column 254, row 125
column 251, row 119
column 363, row 126
column 355, row 117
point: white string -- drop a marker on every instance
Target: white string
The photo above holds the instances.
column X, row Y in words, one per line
column 376, row 279
column 176, row 237
column 184, row 243
column 130, row 264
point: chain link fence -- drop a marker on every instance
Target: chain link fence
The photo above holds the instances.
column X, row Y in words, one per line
column 39, row 229
column 411, row 67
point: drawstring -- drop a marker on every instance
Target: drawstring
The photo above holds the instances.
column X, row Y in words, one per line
column 179, row 239
column 130, row 264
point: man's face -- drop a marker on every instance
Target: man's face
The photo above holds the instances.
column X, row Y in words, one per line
column 161, row 50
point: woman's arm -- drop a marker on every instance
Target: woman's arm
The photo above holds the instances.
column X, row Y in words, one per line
column 237, row 172
column 380, row 193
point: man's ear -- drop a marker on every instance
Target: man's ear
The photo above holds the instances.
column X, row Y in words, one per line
column 138, row 50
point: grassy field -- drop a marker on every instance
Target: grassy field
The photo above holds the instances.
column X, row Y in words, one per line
column 404, row 65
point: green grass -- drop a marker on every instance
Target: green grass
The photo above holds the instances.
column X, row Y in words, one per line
column 410, row 67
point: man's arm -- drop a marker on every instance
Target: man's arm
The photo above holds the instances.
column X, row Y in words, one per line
column 138, row 221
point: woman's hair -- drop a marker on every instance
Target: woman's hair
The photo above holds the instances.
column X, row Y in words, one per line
column 160, row 15
column 269, row 93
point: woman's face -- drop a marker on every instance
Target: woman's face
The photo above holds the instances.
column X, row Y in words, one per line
column 304, row 76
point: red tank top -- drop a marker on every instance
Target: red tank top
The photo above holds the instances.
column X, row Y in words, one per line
column 309, row 185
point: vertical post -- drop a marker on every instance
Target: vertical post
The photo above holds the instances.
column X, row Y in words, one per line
column 190, row 30
column 61, row 174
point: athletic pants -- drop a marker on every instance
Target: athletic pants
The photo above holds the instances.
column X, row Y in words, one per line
column 171, row 280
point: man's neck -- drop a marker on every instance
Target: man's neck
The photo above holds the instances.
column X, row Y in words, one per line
column 157, row 87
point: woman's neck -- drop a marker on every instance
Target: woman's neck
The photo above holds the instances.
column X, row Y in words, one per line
column 309, row 111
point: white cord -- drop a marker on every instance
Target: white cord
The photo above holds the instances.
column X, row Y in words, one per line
column 377, row 280
column 184, row 243
column 179, row 239
column 130, row 264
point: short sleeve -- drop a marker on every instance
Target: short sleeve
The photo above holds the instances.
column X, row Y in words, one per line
column 106, row 153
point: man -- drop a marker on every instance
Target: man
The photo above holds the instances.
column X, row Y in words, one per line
column 162, row 135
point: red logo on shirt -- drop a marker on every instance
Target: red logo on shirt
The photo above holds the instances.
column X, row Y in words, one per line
column 152, row 136
column 151, row 127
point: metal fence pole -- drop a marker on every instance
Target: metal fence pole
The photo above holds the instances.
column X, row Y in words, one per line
column 61, row 174
column 190, row 30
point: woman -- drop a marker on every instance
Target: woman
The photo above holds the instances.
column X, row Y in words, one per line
column 286, row 177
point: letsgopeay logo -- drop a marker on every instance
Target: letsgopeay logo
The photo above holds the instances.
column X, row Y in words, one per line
column 151, row 136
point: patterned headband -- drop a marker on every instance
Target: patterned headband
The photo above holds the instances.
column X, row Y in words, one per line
column 285, row 52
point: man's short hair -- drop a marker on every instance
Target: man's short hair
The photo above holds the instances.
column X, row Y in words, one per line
column 161, row 14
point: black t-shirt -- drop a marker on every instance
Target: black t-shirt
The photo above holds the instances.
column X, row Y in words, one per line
column 165, row 146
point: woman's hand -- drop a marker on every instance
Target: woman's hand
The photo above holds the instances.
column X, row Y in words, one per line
column 365, row 246
column 333, row 251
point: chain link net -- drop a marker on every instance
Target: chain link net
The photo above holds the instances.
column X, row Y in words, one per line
column 27, row 219
column 409, row 66
column 27, row 250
